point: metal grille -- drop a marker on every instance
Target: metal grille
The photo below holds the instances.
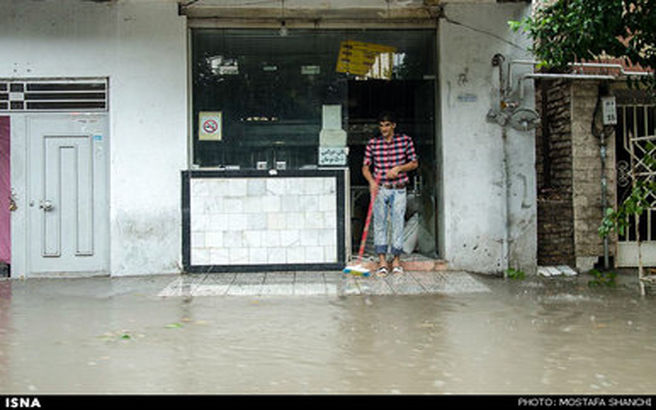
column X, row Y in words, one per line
column 53, row 95
column 636, row 155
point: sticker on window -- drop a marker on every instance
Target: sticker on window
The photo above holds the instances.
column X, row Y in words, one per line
column 209, row 126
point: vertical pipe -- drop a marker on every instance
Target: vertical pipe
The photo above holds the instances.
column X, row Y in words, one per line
column 506, row 177
column 604, row 198
column 546, row 136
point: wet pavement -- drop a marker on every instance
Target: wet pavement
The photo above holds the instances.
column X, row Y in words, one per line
column 321, row 283
column 323, row 333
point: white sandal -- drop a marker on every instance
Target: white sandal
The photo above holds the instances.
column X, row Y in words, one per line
column 382, row 272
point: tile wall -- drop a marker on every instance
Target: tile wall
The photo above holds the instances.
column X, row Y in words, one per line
column 263, row 221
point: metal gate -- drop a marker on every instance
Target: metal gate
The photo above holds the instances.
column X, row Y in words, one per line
column 635, row 153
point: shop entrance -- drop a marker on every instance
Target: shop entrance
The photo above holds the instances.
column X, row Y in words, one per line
column 297, row 101
column 412, row 101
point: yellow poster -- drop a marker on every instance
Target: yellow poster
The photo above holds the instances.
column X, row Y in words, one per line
column 210, row 125
column 365, row 59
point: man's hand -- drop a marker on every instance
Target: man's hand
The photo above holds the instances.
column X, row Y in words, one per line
column 373, row 188
column 393, row 173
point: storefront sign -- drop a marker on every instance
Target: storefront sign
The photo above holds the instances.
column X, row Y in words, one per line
column 210, row 126
column 356, row 57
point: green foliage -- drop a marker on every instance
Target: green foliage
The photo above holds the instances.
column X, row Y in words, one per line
column 634, row 204
column 515, row 274
column 570, row 31
column 602, row 279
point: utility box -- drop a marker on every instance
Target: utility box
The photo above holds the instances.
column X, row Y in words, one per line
column 608, row 110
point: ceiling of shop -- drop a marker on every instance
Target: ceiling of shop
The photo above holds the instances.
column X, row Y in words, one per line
column 324, row 10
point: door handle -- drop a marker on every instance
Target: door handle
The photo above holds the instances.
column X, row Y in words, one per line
column 12, row 201
column 46, row 205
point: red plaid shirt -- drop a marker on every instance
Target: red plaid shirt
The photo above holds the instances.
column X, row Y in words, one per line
column 387, row 155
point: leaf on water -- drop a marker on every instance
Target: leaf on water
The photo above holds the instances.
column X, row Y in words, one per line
column 173, row 326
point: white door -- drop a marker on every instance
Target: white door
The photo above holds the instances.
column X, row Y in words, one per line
column 67, row 195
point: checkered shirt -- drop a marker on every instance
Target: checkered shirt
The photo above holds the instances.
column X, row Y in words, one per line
column 386, row 155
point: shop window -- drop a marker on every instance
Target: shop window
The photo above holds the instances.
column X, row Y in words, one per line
column 258, row 97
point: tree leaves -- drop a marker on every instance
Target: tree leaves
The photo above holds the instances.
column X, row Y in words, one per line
column 569, row 31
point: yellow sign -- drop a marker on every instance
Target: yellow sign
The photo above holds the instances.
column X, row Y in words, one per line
column 359, row 58
column 210, row 126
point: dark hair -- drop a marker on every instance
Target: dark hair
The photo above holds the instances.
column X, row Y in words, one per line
column 387, row 116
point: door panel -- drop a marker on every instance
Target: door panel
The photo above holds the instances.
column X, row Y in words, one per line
column 67, row 186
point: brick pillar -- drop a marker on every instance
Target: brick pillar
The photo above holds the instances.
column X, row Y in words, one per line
column 554, row 174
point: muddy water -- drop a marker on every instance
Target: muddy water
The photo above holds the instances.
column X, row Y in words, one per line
column 117, row 335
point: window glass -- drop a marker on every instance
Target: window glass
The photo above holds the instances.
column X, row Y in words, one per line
column 258, row 95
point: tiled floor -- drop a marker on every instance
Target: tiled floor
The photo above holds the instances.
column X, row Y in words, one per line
column 322, row 283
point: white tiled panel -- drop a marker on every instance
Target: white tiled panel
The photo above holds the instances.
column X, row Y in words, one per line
column 257, row 221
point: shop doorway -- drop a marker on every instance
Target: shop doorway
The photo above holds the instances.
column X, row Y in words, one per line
column 270, row 92
column 412, row 101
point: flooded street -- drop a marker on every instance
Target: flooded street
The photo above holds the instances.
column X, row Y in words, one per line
column 119, row 335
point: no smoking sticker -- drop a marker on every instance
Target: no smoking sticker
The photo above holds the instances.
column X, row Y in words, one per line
column 209, row 126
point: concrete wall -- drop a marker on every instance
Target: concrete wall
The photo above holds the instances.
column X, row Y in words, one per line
column 141, row 47
column 476, row 209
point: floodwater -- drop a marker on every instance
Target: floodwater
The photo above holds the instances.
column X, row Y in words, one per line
column 118, row 336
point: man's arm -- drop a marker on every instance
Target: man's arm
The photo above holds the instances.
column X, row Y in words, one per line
column 407, row 167
column 373, row 186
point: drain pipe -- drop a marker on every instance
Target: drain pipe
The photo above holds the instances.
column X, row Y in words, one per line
column 506, row 177
column 497, row 61
column 604, row 198
column 598, row 129
column 604, row 185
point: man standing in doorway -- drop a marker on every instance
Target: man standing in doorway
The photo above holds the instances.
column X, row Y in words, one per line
column 392, row 156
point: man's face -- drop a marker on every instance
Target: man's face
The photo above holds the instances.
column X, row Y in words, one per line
column 387, row 128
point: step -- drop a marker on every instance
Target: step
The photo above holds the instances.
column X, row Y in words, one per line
column 415, row 263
